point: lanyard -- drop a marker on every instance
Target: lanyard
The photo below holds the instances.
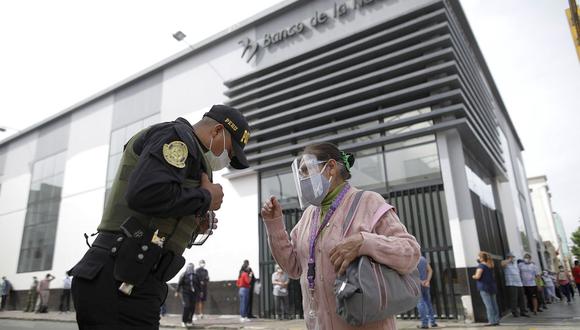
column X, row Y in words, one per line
column 315, row 232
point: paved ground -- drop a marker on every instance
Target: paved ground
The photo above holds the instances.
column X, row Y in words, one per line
column 558, row 316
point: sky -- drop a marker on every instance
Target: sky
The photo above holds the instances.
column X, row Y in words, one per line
column 57, row 53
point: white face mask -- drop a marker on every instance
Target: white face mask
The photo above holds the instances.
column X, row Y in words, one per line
column 218, row 162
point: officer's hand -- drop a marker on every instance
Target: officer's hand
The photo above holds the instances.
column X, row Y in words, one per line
column 204, row 225
column 215, row 190
column 271, row 209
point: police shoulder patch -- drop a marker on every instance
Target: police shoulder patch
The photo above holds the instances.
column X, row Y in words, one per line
column 175, row 153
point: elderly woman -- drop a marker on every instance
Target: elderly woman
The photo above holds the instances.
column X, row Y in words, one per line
column 316, row 244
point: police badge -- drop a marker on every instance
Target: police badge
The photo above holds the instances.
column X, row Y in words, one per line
column 175, row 153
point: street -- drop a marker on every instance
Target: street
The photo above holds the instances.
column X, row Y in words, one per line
column 558, row 316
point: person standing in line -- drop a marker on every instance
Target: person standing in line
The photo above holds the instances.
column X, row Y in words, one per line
column 424, row 306
column 487, row 287
column 514, row 286
column 549, row 290
column 65, row 296
column 280, row 291
column 564, row 281
column 188, row 287
column 44, row 293
column 243, row 283
column 252, row 293
column 5, row 289
column 203, row 277
column 528, row 271
column 540, row 285
column 32, row 296
column 571, row 285
column 576, row 273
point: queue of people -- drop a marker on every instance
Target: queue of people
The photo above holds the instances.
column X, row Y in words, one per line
column 192, row 289
column 529, row 289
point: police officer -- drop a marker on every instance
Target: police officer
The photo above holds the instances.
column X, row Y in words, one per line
column 161, row 200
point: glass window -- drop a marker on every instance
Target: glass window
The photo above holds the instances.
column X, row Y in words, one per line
column 132, row 130
column 410, row 142
column 412, row 164
column 521, row 225
column 117, row 141
column 38, row 238
column 480, row 188
column 368, row 172
column 119, row 138
column 280, row 184
column 114, row 162
column 405, row 115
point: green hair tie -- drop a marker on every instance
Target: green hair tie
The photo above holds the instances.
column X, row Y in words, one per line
column 345, row 159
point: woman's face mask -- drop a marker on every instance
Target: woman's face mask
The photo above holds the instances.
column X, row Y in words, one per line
column 315, row 187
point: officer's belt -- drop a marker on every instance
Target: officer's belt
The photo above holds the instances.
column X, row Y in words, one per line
column 167, row 267
column 106, row 240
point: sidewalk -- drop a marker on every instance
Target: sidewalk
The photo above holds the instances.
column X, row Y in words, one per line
column 558, row 316
column 211, row 321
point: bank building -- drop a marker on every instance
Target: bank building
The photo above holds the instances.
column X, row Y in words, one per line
column 401, row 84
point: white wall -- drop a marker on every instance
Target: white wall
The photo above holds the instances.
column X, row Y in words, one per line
column 543, row 211
column 236, row 238
column 510, row 204
column 462, row 224
column 13, row 201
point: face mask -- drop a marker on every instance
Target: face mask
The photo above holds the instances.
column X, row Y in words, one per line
column 527, row 260
column 308, row 190
column 201, row 265
column 218, row 162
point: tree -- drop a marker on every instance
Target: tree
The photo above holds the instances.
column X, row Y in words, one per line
column 576, row 240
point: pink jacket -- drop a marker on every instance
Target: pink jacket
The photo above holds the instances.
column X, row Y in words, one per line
column 386, row 241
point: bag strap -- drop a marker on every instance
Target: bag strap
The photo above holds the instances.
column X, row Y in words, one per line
column 350, row 215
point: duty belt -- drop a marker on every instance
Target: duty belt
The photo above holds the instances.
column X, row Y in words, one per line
column 164, row 269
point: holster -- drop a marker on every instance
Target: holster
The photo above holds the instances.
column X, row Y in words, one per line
column 168, row 266
column 136, row 257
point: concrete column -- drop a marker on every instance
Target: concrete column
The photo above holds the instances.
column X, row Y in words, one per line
column 460, row 211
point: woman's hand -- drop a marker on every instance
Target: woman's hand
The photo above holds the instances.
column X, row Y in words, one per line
column 344, row 253
column 271, row 209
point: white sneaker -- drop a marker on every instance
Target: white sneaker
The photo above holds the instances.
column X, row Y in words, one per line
column 194, row 318
column 200, row 316
column 242, row 319
column 183, row 325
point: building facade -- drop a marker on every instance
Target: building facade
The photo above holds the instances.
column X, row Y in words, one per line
column 401, row 84
column 546, row 220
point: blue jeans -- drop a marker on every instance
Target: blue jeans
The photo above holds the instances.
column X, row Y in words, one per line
column 426, row 308
column 490, row 307
column 244, row 294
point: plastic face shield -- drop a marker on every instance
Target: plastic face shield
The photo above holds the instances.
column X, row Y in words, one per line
column 306, row 171
column 204, row 229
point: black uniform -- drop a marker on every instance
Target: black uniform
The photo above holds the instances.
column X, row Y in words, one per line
column 154, row 188
column 153, row 212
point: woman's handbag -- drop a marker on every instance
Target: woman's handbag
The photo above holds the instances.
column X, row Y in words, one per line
column 370, row 291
